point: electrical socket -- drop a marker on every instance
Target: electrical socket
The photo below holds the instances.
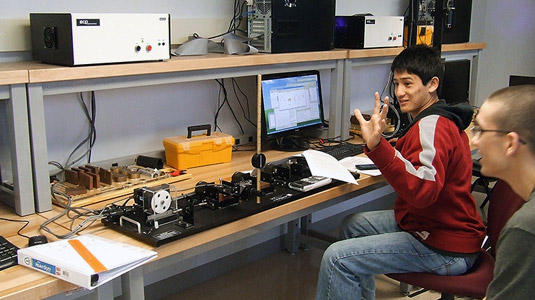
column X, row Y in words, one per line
column 244, row 139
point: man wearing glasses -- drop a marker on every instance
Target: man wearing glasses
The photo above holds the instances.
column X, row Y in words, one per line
column 505, row 137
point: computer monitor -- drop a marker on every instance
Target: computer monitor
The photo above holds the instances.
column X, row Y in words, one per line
column 521, row 80
column 291, row 102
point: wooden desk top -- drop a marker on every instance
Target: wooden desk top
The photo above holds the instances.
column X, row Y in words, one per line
column 13, row 73
column 21, row 283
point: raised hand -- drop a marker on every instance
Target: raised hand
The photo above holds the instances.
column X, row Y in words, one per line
column 372, row 129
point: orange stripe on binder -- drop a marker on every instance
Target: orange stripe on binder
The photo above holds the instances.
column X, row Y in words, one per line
column 93, row 262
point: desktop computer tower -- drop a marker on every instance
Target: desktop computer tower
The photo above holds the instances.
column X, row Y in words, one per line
column 455, row 21
column 456, row 82
column 456, row 27
column 280, row 26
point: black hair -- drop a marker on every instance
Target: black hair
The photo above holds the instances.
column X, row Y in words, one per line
column 421, row 60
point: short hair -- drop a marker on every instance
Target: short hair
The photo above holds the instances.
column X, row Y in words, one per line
column 421, row 60
column 517, row 112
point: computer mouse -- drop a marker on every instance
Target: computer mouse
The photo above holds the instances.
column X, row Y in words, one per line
column 37, row 240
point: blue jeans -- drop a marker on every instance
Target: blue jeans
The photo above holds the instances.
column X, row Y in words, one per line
column 372, row 243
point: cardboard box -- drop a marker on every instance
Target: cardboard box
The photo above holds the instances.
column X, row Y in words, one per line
column 210, row 148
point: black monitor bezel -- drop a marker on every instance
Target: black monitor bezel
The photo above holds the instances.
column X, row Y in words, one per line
column 521, row 80
column 293, row 131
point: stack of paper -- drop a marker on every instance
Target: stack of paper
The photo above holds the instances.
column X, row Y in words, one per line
column 88, row 260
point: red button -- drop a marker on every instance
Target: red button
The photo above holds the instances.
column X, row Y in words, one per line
column 149, row 47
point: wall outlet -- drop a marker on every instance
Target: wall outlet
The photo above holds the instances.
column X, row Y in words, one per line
column 244, row 139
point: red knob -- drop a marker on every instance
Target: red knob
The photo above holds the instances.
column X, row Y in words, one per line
column 149, row 47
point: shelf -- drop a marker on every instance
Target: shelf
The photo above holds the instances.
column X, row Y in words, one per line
column 13, row 73
column 384, row 52
column 50, row 73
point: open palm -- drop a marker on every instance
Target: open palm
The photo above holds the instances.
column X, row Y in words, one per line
column 372, row 129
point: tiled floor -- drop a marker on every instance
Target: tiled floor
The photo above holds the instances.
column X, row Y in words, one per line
column 280, row 276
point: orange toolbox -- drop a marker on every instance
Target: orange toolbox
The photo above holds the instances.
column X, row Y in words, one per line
column 193, row 151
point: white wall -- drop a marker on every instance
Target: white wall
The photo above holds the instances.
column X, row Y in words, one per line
column 131, row 121
column 508, row 28
column 136, row 120
column 206, row 17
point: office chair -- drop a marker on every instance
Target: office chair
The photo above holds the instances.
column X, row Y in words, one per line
column 503, row 203
column 481, row 184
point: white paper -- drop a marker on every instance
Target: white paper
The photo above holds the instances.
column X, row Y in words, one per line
column 350, row 162
column 323, row 164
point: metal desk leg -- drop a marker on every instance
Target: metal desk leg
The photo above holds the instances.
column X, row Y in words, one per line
column 336, row 115
column 405, row 288
column 473, row 79
column 103, row 292
column 41, row 179
column 305, row 227
column 346, row 100
column 290, row 239
column 17, row 112
column 132, row 284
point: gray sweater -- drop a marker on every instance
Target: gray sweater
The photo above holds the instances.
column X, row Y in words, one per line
column 514, row 271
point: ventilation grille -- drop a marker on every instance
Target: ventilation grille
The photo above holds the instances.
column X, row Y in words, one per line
column 50, row 37
column 263, row 7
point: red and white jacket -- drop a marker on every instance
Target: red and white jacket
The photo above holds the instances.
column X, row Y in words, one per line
column 431, row 171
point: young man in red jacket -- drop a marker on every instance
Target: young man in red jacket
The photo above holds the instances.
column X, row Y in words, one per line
column 435, row 226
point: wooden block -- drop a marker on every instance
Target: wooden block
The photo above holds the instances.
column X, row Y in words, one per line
column 85, row 169
column 71, row 176
column 74, row 191
column 86, row 180
column 96, row 179
column 105, row 176
column 93, row 169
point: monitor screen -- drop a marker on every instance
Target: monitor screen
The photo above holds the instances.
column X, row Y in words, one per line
column 291, row 101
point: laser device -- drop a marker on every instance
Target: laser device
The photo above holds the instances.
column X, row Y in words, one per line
column 75, row 39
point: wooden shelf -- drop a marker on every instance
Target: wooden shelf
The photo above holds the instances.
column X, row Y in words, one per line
column 13, row 73
column 48, row 73
column 38, row 72
column 381, row 52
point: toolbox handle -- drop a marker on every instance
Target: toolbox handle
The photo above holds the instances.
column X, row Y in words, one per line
column 206, row 127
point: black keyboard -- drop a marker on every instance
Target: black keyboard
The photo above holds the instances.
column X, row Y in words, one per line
column 344, row 150
column 8, row 254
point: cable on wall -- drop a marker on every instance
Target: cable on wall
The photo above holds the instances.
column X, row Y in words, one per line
column 90, row 113
column 246, row 115
column 220, row 104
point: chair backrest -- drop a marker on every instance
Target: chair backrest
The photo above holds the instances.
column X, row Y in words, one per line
column 503, row 203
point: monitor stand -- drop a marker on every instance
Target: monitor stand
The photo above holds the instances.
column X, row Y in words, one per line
column 290, row 143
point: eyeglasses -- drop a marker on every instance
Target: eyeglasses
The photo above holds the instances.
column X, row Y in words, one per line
column 477, row 131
